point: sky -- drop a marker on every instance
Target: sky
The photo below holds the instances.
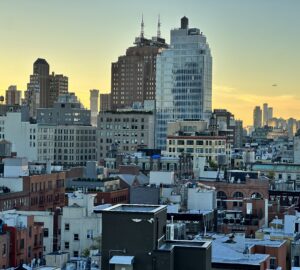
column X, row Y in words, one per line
column 255, row 44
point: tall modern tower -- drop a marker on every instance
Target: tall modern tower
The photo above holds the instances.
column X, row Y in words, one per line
column 38, row 89
column 257, row 117
column 183, row 80
column 270, row 113
column 265, row 114
column 94, row 106
column 133, row 75
column 41, row 68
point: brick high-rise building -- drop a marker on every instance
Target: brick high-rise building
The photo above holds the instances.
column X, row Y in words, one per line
column 133, row 76
column 41, row 68
column 43, row 88
column 58, row 86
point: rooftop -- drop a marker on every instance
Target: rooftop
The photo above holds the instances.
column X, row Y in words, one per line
column 137, row 208
column 226, row 250
column 169, row 245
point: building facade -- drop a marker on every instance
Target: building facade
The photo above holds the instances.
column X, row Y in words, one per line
column 105, row 102
column 94, row 106
column 80, row 226
column 61, row 139
column 257, row 117
column 58, row 86
column 121, row 249
column 25, row 238
column 13, row 96
column 133, row 75
column 124, row 131
column 183, row 80
column 67, row 110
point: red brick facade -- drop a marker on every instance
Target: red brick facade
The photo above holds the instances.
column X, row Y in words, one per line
column 40, row 192
column 26, row 243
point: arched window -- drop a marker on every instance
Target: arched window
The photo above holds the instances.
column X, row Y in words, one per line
column 221, row 195
column 256, row 195
column 238, row 195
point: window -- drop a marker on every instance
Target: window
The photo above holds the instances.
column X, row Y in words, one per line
column 4, row 250
column 46, row 232
column 22, row 244
column 29, row 252
column 180, row 142
column 67, row 245
column 273, row 263
column 76, row 236
column 67, row 226
column 75, row 253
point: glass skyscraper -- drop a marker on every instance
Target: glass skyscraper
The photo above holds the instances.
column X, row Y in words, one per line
column 183, row 80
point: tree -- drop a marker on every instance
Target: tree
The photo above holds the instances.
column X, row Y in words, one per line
column 97, row 241
column 86, row 252
column 213, row 164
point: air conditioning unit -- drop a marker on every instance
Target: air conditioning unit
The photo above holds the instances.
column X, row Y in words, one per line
column 170, row 231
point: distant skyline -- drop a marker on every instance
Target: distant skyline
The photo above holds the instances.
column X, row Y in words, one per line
column 255, row 45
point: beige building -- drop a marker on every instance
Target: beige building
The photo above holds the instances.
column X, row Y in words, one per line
column 192, row 137
column 124, row 131
column 13, row 96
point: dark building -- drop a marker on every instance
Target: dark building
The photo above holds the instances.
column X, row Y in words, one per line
column 133, row 76
column 105, row 102
column 41, row 68
column 58, row 86
column 145, row 195
column 139, row 242
column 238, row 134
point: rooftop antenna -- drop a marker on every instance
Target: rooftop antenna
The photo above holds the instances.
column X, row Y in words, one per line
column 142, row 27
column 158, row 26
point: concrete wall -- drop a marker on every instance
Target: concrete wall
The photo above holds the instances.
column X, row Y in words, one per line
column 201, row 199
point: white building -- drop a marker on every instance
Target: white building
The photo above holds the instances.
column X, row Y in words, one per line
column 22, row 135
column 183, row 80
column 62, row 144
column 203, row 199
column 80, row 226
column 94, row 106
column 159, row 177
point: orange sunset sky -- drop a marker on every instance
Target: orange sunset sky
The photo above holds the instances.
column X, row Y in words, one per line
column 254, row 44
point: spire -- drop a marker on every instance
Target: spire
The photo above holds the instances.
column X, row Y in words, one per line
column 142, row 27
column 158, row 26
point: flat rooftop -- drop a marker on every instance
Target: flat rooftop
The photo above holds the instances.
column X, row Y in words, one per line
column 169, row 245
column 135, row 208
